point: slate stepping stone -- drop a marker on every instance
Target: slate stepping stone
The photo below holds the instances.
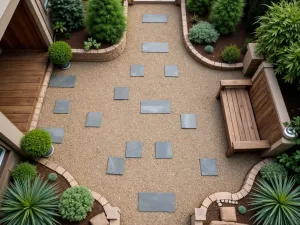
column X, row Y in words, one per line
column 155, row 107
column 155, row 18
column 62, row 107
column 57, row 134
column 93, row 119
column 152, row 47
column 188, row 121
column 163, row 150
column 137, row 70
column 171, row 71
column 208, row 167
column 121, row 93
column 115, row 165
column 134, row 149
column 156, row 202
column 62, row 81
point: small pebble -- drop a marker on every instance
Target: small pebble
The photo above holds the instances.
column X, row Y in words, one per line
column 218, row 201
column 230, row 201
column 226, row 200
column 220, row 204
column 222, row 200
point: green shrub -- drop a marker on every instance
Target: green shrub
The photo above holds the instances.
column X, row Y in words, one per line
column 270, row 170
column 199, row 7
column 91, row 43
column 276, row 202
column 70, row 12
column 36, row 143
column 29, row 202
column 105, row 20
column 209, row 49
column 242, row 209
column 23, row 171
column 231, row 54
column 226, row 14
column 59, row 27
column 52, row 177
column 291, row 162
column 203, row 33
column 60, row 52
column 75, row 203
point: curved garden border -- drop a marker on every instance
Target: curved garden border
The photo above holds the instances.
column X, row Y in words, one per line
column 113, row 214
column 200, row 58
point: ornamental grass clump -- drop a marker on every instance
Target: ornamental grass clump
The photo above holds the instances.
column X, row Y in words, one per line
column 24, row 171
column 203, row 33
column 270, row 170
column 199, row 7
column 231, row 54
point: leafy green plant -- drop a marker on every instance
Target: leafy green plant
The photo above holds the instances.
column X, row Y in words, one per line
column 195, row 19
column 59, row 27
column 23, row 171
column 29, row 202
column 203, row 33
column 272, row 169
column 209, row 49
column 231, row 54
column 75, row 203
column 90, row 43
column 105, row 20
column 60, row 52
column 67, row 35
column 36, row 143
column 52, row 177
column 291, row 162
column 199, row 7
column 276, row 202
column 242, row 209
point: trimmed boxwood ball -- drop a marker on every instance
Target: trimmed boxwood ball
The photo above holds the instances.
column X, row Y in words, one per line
column 36, row 143
column 242, row 209
column 209, row 49
column 203, row 33
column 231, row 54
column 60, row 52
column 24, row 171
column 199, row 7
column 52, row 177
column 271, row 170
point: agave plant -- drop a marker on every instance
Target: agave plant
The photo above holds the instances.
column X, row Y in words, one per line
column 27, row 202
column 276, row 202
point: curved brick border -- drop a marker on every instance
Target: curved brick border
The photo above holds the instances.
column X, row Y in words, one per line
column 199, row 216
column 113, row 214
column 200, row 58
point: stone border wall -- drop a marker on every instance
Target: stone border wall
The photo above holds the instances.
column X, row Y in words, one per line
column 200, row 58
column 102, row 55
column 113, row 214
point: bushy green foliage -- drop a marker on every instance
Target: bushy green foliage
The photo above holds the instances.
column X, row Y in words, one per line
column 203, row 33
column 29, row 202
column 242, row 209
column 59, row 27
column 91, row 43
column 209, row 49
column 199, row 7
column 226, row 14
column 291, row 162
column 105, row 20
column 270, row 170
column 195, row 19
column 70, row 12
column 75, row 203
column 60, row 52
column 23, row 171
column 36, row 143
column 276, row 202
column 52, row 177
column 231, row 54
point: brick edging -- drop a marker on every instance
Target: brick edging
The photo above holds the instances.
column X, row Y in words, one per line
column 200, row 58
column 113, row 214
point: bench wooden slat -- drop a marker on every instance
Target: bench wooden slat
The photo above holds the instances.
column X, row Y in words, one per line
column 236, row 83
column 232, row 115
column 250, row 145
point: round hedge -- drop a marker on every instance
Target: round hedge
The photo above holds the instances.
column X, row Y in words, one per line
column 231, row 54
column 52, row 177
column 242, row 209
column 36, row 143
column 24, row 171
column 60, row 52
column 209, row 49
column 271, row 170
column 203, row 33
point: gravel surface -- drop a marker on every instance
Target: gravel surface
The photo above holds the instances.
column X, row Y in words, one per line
column 85, row 151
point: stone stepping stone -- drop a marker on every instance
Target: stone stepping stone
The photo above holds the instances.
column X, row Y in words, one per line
column 57, row 134
column 155, row 107
column 134, row 149
column 93, row 119
column 115, row 166
column 188, row 121
column 208, row 167
column 62, row 107
column 61, row 81
column 156, row 202
column 163, row 150
column 171, row 71
column 121, row 93
column 155, row 18
column 137, row 70
column 158, row 47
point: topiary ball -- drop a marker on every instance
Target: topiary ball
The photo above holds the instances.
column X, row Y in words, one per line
column 203, row 33
column 52, row 177
column 231, row 54
column 242, row 209
column 24, row 171
column 36, row 143
column 271, row 170
column 209, row 49
column 60, row 52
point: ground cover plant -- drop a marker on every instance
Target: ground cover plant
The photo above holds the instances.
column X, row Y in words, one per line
column 270, row 170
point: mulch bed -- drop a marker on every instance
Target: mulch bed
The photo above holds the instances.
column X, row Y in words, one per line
column 63, row 184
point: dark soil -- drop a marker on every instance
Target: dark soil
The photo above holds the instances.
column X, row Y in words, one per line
column 63, row 184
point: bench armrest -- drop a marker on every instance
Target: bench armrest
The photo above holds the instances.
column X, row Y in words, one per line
column 250, row 145
column 234, row 84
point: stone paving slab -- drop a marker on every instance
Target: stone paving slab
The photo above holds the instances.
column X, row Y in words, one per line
column 155, row 107
column 171, row 71
column 155, row 47
column 121, row 93
column 163, row 150
column 137, row 71
column 62, row 81
column 57, row 134
column 115, row 165
column 93, row 119
column 155, row 18
column 208, row 167
column 156, row 202
column 188, row 121
column 62, row 107
column 134, row 149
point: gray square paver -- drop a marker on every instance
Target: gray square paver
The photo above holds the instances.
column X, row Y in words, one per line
column 152, row 47
column 115, row 165
column 188, row 121
column 208, row 167
column 121, row 93
column 137, row 71
column 156, row 202
column 57, row 134
column 163, row 150
column 62, row 107
column 155, row 18
column 62, row 81
column 171, row 71
column 155, row 107
column 134, row 149
column 93, row 119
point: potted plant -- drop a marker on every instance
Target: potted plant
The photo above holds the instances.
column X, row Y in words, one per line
column 60, row 54
column 37, row 143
